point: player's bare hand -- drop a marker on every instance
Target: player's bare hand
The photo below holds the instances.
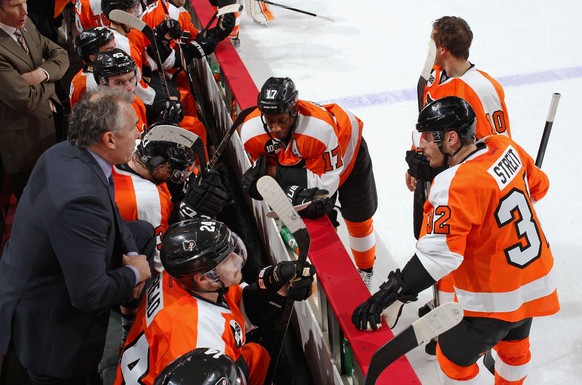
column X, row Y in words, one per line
column 410, row 181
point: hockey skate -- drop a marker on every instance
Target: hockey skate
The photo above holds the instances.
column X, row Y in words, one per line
column 366, row 275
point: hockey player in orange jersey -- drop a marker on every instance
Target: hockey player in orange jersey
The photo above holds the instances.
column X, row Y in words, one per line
column 199, row 301
column 480, row 224
column 88, row 44
column 166, row 153
column 312, row 149
column 454, row 75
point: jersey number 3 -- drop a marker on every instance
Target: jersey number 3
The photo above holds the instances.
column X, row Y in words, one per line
column 514, row 208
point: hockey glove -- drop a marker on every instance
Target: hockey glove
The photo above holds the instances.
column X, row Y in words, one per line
column 251, row 176
column 225, row 25
column 419, row 166
column 368, row 315
column 299, row 195
column 207, row 199
column 168, row 111
column 274, row 278
column 168, row 29
column 203, row 45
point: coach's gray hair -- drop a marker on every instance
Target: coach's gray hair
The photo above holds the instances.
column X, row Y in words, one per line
column 97, row 113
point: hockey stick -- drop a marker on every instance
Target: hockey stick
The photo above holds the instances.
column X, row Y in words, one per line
column 237, row 122
column 425, row 73
column 297, row 10
column 302, row 206
column 276, row 198
column 232, row 8
column 122, row 17
column 547, row 129
column 436, row 322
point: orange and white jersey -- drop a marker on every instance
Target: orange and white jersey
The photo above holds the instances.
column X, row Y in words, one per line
column 81, row 83
column 140, row 111
column 88, row 15
column 155, row 14
column 137, row 53
column 139, row 198
column 480, row 90
column 324, row 142
column 479, row 223
column 171, row 322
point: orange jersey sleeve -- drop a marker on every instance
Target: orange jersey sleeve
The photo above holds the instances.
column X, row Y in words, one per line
column 171, row 322
column 81, row 83
column 480, row 90
column 489, row 235
column 138, row 198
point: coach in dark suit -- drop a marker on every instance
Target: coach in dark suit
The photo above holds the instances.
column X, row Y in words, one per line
column 28, row 101
column 71, row 256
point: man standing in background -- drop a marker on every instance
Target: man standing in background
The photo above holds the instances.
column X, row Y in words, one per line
column 30, row 64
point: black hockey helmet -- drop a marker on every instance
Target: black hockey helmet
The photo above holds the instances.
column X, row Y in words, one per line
column 278, row 96
column 198, row 246
column 111, row 63
column 90, row 40
column 202, row 366
column 109, row 5
column 450, row 113
column 168, row 143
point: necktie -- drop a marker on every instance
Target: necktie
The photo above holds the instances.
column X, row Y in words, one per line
column 111, row 187
column 20, row 40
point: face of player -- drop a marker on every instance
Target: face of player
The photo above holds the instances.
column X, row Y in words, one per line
column 13, row 13
column 126, row 82
column 428, row 144
column 230, row 270
column 279, row 125
column 124, row 140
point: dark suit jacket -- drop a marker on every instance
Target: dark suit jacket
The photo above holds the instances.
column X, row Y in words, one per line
column 61, row 269
column 26, row 121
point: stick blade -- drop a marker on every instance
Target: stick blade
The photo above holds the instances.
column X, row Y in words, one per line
column 276, row 198
column 122, row 17
column 437, row 321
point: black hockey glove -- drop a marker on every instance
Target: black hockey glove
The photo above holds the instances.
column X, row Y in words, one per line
column 251, row 176
column 208, row 198
column 168, row 111
column 368, row 315
column 203, row 45
column 169, row 27
column 419, row 167
column 274, row 278
column 299, row 195
column 225, row 25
